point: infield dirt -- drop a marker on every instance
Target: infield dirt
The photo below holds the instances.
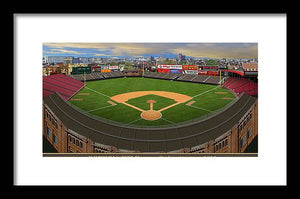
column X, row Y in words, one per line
column 151, row 114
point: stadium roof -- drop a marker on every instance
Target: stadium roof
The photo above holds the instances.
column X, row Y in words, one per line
column 252, row 66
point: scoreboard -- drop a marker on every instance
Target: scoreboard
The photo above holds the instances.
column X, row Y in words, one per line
column 81, row 70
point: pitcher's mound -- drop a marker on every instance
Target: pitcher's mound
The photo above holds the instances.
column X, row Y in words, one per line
column 151, row 115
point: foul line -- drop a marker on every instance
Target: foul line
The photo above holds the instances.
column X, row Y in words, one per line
column 205, row 92
column 167, row 120
column 100, row 108
column 201, row 108
column 134, row 121
column 97, row 92
column 163, row 109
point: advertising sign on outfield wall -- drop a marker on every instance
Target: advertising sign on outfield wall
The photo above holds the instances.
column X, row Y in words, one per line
column 191, row 72
column 175, row 71
column 202, row 72
column 114, row 67
column 209, row 67
column 163, row 70
column 176, row 67
column 104, row 67
column 165, row 66
column 105, row 71
column 190, row 67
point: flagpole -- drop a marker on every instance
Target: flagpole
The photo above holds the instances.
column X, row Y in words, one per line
column 220, row 79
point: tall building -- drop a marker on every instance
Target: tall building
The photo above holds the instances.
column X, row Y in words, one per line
column 58, row 59
column 45, row 60
column 68, row 60
column 151, row 58
column 181, row 57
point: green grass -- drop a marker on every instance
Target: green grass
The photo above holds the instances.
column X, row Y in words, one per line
column 141, row 102
column 206, row 100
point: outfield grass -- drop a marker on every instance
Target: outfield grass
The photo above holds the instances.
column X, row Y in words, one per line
column 95, row 102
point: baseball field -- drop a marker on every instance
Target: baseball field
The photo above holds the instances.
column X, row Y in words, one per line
column 146, row 102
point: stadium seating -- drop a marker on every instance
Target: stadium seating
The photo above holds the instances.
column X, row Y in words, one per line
column 96, row 76
column 62, row 84
column 241, row 85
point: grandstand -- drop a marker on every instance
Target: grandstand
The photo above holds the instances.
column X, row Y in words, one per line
column 97, row 76
column 241, row 85
column 62, row 84
column 206, row 79
column 228, row 131
column 238, row 85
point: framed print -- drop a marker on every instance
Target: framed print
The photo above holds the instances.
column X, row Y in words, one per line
column 150, row 99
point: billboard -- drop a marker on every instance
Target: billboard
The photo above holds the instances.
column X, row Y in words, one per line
column 163, row 66
column 169, row 66
column 175, row 71
column 105, row 71
column 202, row 72
column 179, row 67
column 81, row 70
column 213, row 73
column 191, row 72
column 209, row 67
column 104, row 67
column 163, row 70
column 96, row 68
column 190, row 67
column 114, row 67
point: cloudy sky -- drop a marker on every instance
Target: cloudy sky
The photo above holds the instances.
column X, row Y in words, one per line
column 170, row 50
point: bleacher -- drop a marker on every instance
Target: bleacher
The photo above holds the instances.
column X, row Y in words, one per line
column 213, row 80
column 62, row 84
column 185, row 77
column 97, row 76
column 241, row 85
column 200, row 78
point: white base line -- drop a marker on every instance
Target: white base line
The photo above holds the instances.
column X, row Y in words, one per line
column 97, row 92
column 167, row 120
column 134, row 121
column 205, row 92
column 100, row 108
column 201, row 108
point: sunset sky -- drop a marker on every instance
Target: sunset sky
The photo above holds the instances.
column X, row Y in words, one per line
column 170, row 50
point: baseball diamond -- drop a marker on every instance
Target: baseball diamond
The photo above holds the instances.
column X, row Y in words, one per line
column 133, row 113
column 170, row 101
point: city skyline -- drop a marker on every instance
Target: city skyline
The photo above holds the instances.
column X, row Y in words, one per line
column 168, row 50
